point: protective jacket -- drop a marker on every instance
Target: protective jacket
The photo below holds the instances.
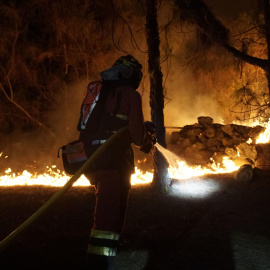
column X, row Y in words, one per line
column 106, row 109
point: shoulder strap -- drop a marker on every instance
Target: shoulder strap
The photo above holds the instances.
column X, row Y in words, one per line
column 89, row 103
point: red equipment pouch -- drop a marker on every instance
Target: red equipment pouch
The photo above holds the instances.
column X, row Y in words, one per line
column 73, row 156
column 75, row 152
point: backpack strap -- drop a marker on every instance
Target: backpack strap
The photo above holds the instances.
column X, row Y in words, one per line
column 117, row 107
column 89, row 103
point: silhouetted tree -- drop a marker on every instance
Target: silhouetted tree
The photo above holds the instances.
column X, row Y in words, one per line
column 198, row 13
column 156, row 91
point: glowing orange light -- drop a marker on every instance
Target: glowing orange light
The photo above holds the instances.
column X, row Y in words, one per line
column 178, row 169
column 264, row 137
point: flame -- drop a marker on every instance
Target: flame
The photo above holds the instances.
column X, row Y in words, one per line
column 141, row 178
column 182, row 171
column 56, row 178
column 264, row 137
column 178, row 169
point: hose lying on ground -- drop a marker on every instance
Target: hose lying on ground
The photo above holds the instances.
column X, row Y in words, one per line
column 11, row 238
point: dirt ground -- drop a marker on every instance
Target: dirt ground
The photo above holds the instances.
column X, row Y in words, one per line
column 228, row 229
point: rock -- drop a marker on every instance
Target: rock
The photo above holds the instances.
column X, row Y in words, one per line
column 219, row 133
column 216, row 125
column 213, row 149
column 228, row 129
column 189, row 141
column 231, row 152
column 179, row 142
column 255, row 132
column 205, row 121
column 205, row 138
column 199, row 145
column 202, row 138
column 210, row 132
column 197, row 157
column 212, row 142
column 197, row 125
column 183, row 132
column 237, row 140
column 194, row 132
column 247, row 150
column 243, row 131
column 227, row 142
column 244, row 173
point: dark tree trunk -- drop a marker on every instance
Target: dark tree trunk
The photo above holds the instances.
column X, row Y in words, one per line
column 156, row 92
column 266, row 10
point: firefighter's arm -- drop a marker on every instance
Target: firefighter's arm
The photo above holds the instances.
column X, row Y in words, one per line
column 142, row 133
column 136, row 120
column 149, row 137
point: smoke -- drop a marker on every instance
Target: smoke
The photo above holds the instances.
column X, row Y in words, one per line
column 188, row 102
column 184, row 101
column 64, row 120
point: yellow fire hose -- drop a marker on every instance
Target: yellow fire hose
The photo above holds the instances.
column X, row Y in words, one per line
column 10, row 238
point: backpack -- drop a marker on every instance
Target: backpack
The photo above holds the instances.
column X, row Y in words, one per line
column 92, row 123
column 74, row 154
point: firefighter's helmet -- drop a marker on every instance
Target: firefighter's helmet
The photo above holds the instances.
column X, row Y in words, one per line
column 132, row 69
column 125, row 70
column 129, row 61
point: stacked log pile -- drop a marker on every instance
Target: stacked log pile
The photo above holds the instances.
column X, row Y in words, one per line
column 205, row 142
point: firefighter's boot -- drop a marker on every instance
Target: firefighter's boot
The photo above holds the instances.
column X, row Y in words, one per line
column 101, row 250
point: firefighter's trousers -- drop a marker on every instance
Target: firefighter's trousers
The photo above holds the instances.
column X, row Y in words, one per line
column 112, row 189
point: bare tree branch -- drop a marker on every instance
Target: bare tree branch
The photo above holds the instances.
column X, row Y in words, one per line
column 24, row 111
column 11, row 96
column 129, row 28
column 263, row 63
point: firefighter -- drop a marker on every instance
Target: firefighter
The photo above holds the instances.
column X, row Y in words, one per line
column 110, row 104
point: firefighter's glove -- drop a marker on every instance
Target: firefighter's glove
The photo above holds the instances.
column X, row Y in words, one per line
column 154, row 138
column 148, row 143
column 150, row 127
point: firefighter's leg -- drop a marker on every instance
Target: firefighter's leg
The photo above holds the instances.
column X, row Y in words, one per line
column 102, row 250
column 109, row 216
